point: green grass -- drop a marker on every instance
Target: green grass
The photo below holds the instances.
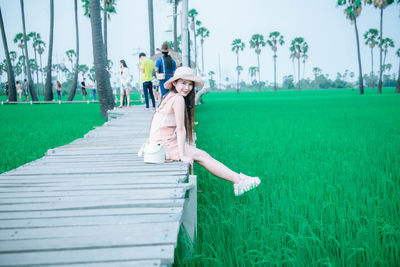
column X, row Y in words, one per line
column 28, row 131
column 329, row 163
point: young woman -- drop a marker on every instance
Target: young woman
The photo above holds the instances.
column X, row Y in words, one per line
column 172, row 125
column 124, row 89
column 19, row 89
column 58, row 88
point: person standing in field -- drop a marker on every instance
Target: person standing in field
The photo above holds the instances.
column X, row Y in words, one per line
column 165, row 64
column 26, row 91
column 147, row 66
column 124, row 83
column 94, row 88
column 19, row 90
column 172, row 125
column 58, row 88
column 83, row 88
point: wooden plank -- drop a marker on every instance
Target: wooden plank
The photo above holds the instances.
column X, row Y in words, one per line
column 148, row 263
column 157, row 203
column 129, row 232
column 115, row 211
column 115, row 220
column 71, row 187
column 164, row 253
column 87, row 180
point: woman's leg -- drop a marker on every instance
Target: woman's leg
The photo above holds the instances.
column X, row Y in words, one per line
column 121, row 97
column 128, row 97
column 211, row 164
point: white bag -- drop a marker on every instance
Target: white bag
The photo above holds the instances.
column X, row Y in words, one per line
column 153, row 152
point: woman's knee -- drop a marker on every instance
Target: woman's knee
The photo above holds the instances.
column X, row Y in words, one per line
column 201, row 155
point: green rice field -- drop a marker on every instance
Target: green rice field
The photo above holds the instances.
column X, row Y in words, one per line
column 329, row 161
column 28, row 131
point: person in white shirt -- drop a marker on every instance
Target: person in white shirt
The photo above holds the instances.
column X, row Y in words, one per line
column 124, row 83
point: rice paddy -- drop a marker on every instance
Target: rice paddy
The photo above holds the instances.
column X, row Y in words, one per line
column 28, row 131
column 330, row 170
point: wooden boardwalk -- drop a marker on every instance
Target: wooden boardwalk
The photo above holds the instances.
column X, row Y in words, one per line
column 95, row 202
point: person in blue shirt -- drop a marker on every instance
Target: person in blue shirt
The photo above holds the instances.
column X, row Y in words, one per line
column 165, row 64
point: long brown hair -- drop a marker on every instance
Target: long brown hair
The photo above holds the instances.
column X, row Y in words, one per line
column 189, row 111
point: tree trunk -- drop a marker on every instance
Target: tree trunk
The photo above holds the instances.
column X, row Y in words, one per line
column 75, row 78
column 259, row 80
column 380, row 57
column 48, row 91
column 195, row 45
column 361, row 90
column 105, row 29
column 41, row 73
column 372, row 61
column 202, row 56
column 298, row 74
column 28, row 69
column 237, row 64
column 175, row 26
column 398, row 82
column 106, row 98
column 12, row 93
column 275, row 73
column 185, row 36
column 151, row 26
column 37, row 72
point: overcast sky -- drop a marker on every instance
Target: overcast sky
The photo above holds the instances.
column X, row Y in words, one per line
column 330, row 36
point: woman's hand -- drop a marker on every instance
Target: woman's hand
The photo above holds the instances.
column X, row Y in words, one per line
column 187, row 159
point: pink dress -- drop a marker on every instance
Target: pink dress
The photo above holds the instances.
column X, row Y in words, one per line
column 163, row 127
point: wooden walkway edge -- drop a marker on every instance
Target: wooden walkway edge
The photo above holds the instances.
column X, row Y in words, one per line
column 95, row 202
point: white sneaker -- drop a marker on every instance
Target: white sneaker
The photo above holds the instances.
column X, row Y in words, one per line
column 245, row 184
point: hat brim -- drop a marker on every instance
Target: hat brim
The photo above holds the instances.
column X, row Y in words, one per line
column 198, row 83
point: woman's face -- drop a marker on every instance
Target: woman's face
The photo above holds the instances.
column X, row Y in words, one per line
column 183, row 87
column 120, row 64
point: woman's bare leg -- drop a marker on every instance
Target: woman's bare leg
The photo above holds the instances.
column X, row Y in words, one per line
column 121, row 97
column 211, row 164
column 128, row 97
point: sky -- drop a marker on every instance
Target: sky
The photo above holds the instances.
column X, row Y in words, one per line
column 330, row 36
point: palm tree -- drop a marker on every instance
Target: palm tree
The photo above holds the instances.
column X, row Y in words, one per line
column 275, row 39
column 35, row 42
column 40, row 49
column 76, row 71
column 12, row 93
column 256, row 42
column 203, row 33
column 380, row 4
column 252, row 72
column 353, row 10
column 192, row 15
column 237, row 45
column 70, row 55
column 19, row 39
column 398, row 75
column 28, row 71
column 151, row 26
column 304, row 56
column 109, row 8
column 317, row 71
column 386, row 43
column 297, row 47
column 175, row 4
column 239, row 70
column 293, row 57
column 48, row 92
column 106, row 98
column 370, row 40
column 84, row 69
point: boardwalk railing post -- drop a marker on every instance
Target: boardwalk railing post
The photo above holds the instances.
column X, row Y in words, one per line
column 189, row 218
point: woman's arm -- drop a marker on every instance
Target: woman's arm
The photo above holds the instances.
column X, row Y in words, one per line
column 179, row 110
